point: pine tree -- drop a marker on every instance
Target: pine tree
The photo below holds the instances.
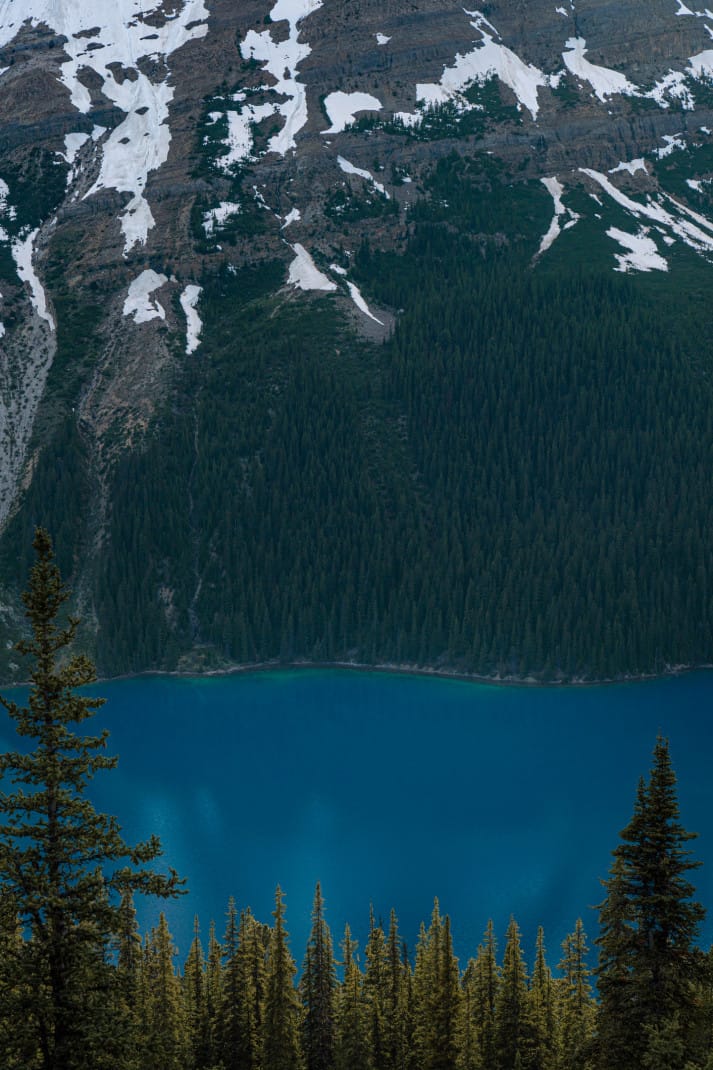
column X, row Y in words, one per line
column 166, row 1033
column 648, row 964
column 486, row 981
column 196, row 1002
column 437, row 996
column 281, row 1026
column 317, row 988
column 351, row 1047
column 577, row 1010
column 376, row 991
column 214, row 992
column 511, row 1008
column 540, row 1012
column 64, row 865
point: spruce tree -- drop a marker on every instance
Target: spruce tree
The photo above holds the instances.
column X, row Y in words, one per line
column 317, row 988
column 511, row 1005
column 541, row 1046
column 64, row 865
column 437, row 995
column 166, row 1030
column 576, row 1007
column 281, row 1025
column 648, row 965
column 351, row 1047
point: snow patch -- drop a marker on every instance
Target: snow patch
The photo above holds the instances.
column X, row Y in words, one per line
column 382, row 39
column 281, row 60
column 215, row 217
column 293, row 216
column 189, row 300
column 673, row 142
column 72, row 145
column 691, row 231
column 695, row 184
column 342, row 108
column 139, row 303
column 603, row 81
column 631, row 167
column 642, row 255
column 139, row 144
column 361, row 303
column 22, row 255
column 304, row 273
column 561, row 11
column 350, row 169
column 489, row 58
column 555, row 188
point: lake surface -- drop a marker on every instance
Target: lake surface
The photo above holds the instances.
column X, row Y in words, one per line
column 391, row 789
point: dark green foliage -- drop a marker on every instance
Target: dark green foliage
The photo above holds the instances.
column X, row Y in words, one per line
column 649, row 969
column 64, row 868
column 318, row 989
column 282, row 1015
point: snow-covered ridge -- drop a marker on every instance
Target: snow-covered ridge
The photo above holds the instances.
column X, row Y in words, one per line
column 99, row 34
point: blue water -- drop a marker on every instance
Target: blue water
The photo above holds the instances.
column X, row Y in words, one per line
column 392, row 789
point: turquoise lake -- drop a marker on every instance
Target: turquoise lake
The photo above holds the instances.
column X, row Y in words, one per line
column 392, row 789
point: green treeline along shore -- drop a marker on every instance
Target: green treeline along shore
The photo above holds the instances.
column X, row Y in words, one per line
column 81, row 990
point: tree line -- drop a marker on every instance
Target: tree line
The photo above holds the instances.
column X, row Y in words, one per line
column 81, row 990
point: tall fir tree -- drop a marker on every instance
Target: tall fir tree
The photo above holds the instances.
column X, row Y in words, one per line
column 281, row 1026
column 195, row 996
column 541, row 1020
column 577, row 1010
column 511, row 1005
column 64, row 865
column 437, row 995
column 166, row 1031
column 376, row 991
column 317, row 989
column 351, row 1046
column 649, row 967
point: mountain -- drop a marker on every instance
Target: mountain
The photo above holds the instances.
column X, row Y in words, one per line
column 361, row 332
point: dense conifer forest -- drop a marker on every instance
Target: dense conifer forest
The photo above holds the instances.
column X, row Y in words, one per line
column 81, row 989
column 516, row 482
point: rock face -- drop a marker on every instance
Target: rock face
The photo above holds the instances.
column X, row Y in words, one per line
column 181, row 139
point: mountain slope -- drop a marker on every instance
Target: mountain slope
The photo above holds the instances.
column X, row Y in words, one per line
column 361, row 332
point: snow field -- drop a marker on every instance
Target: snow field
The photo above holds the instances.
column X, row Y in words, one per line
column 189, row 300
column 304, row 273
column 343, row 107
column 120, row 36
column 139, row 302
column 642, row 255
column 22, row 255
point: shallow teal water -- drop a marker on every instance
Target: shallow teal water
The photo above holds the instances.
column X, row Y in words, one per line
column 391, row 789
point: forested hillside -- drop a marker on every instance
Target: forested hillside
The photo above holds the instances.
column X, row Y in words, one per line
column 398, row 351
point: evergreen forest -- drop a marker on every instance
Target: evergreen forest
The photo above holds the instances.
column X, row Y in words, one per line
column 514, row 483
column 81, row 989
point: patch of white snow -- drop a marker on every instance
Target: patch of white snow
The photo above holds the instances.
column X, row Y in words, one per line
column 382, row 39
column 22, row 255
column 673, row 142
column 72, row 145
column 139, row 302
column 555, row 188
column 293, row 216
column 489, row 58
column 603, row 81
column 695, row 184
column 343, row 107
column 140, row 143
column 692, row 233
column 215, row 217
column 643, row 254
column 282, row 60
column 631, row 167
column 361, row 303
column 189, row 300
column 350, row 169
column 305, row 274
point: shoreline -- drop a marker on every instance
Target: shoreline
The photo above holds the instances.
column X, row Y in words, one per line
column 405, row 670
